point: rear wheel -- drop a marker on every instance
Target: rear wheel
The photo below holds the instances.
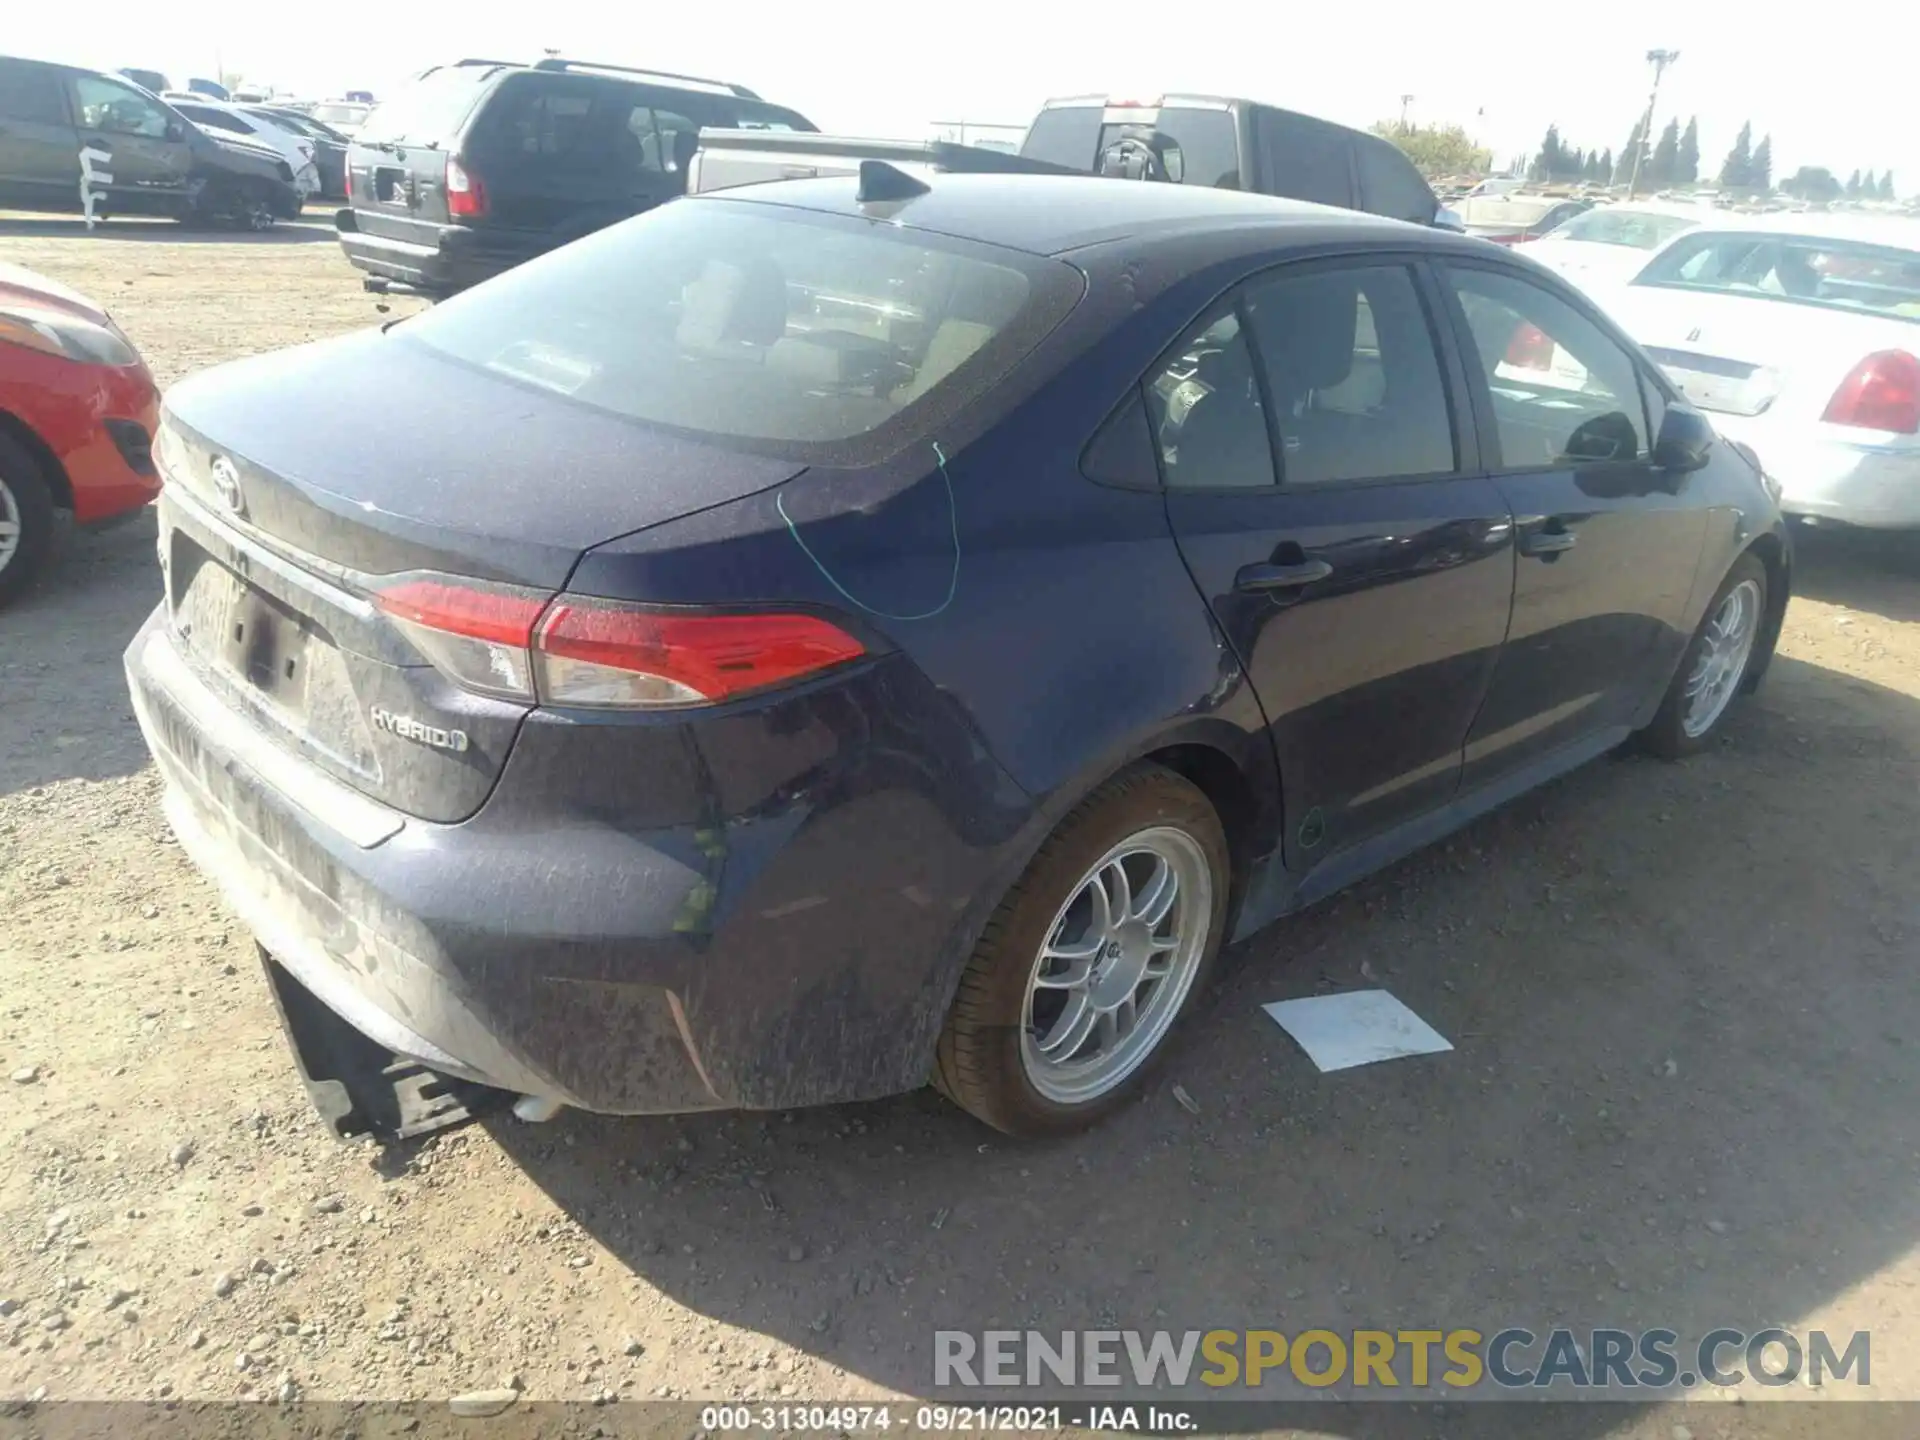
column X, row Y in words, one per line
column 26, row 519
column 1092, row 959
column 1715, row 668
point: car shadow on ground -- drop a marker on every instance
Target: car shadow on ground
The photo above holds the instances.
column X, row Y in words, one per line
column 64, row 711
column 1874, row 571
column 305, row 231
column 1666, row 1106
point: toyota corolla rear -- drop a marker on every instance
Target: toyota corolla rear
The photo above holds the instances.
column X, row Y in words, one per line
column 1805, row 346
column 498, row 688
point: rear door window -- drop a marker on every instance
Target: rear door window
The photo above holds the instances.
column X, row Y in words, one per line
column 1303, row 159
column 1353, row 376
column 801, row 334
column 31, row 94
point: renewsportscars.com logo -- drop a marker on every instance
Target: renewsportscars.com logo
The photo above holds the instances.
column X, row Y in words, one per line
column 1380, row 1361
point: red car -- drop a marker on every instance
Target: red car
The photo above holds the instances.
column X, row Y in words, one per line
column 77, row 416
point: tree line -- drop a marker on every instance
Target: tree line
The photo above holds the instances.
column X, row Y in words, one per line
column 1675, row 160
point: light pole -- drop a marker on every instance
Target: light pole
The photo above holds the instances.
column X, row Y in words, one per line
column 1659, row 59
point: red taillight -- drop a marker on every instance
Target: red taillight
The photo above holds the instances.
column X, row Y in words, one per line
column 346, row 176
column 571, row 650
column 1530, row 349
column 466, row 196
column 598, row 653
column 479, row 636
column 1881, row 393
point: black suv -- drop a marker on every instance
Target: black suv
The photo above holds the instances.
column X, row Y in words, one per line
column 481, row 164
column 159, row 163
column 1233, row 144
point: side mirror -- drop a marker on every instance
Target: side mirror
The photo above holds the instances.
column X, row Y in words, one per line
column 1447, row 218
column 176, row 131
column 1685, row 441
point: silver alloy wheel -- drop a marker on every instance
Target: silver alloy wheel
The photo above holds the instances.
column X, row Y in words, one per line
column 1727, row 643
column 9, row 525
column 1118, row 961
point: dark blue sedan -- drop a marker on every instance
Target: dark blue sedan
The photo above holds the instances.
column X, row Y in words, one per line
column 818, row 639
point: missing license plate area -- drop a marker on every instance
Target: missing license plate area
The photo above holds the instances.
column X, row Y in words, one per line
column 1727, row 387
column 390, row 185
column 243, row 632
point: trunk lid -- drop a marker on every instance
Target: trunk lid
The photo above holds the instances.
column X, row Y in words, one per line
column 283, row 512
column 1741, row 355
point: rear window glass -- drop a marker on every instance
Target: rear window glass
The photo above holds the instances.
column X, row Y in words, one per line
column 427, row 112
column 793, row 332
column 1796, row 269
column 1064, row 135
column 1188, row 147
column 1635, row 229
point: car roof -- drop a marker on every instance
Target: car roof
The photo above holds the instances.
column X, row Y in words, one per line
column 1895, row 230
column 1052, row 214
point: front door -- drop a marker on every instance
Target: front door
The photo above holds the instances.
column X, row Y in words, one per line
column 39, row 152
column 1319, row 480
column 1607, row 542
column 147, row 154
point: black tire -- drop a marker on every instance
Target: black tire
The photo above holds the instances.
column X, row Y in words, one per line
column 1667, row 735
column 28, row 503
column 979, row 1062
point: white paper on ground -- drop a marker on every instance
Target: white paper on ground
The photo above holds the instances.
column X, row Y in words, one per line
column 1355, row 1028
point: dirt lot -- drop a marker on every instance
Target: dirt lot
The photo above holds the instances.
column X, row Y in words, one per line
column 1683, row 999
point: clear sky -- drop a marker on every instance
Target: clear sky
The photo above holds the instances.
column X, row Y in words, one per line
column 1829, row 95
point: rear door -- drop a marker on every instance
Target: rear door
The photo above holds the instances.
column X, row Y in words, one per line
column 1607, row 543
column 39, row 151
column 1320, row 480
column 150, row 158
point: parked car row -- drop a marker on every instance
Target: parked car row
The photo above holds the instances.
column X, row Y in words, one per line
column 480, row 165
column 74, row 140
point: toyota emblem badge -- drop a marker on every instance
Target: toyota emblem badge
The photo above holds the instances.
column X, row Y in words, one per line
column 226, row 484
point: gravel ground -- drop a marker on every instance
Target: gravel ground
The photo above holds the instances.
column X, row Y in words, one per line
column 1682, row 998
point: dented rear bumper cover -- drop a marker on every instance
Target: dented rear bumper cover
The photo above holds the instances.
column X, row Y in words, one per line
column 606, row 969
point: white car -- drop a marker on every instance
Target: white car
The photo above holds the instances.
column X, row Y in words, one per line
column 217, row 115
column 346, row 116
column 1800, row 336
column 1608, row 246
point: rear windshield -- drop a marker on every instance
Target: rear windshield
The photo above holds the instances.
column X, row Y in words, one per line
column 794, row 332
column 1799, row 269
column 427, row 112
column 1635, row 229
column 1189, row 146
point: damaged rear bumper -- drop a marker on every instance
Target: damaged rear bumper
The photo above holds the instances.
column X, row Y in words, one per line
column 766, row 961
